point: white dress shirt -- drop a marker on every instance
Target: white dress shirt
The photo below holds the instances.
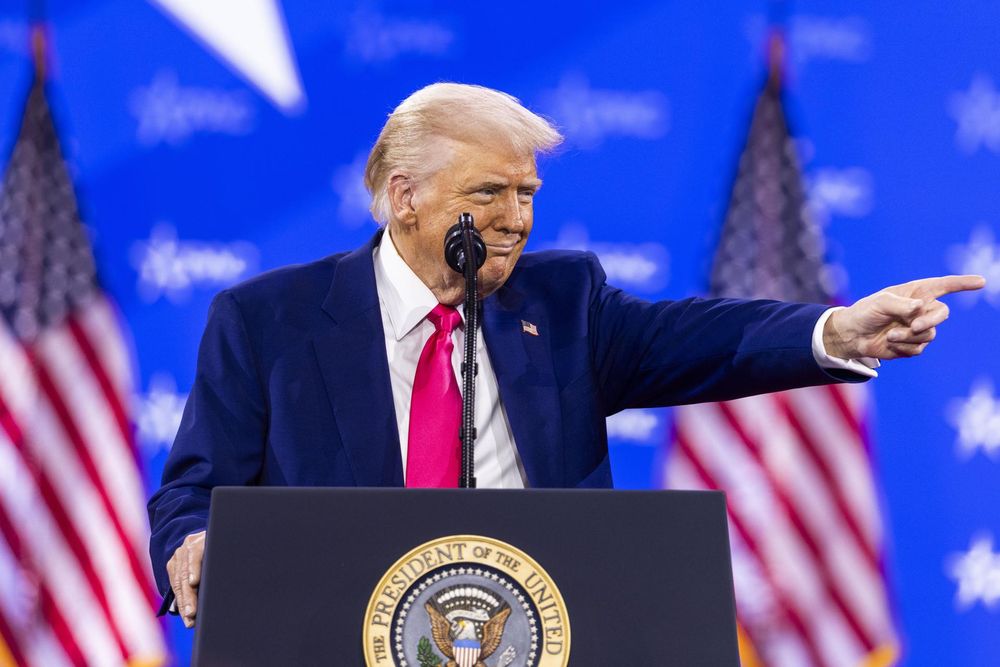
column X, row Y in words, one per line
column 405, row 301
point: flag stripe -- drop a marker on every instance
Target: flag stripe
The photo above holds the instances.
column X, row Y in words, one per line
column 843, row 446
column 37, row 644
column 72, row 435
column 111, row 396
column 830, row 483
column 796, row 572
column 788, row 611
column 112, row 455
column 756, row 603
column 34, row 470
column 759, row 424
column 56, row 621
column 100, row 553
column 839, row 395
column 99, row 321
column 827, row 574
column 10, row 652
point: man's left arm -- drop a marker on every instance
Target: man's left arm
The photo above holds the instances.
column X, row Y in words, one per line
column 695, row 350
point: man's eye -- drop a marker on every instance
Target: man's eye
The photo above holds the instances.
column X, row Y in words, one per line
column 489, row 192
column 526, row 195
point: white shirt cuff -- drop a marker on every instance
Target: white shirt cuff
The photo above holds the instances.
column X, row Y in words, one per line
column 862, row 366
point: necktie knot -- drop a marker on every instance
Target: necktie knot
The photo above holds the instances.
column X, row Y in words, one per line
column 444, row 318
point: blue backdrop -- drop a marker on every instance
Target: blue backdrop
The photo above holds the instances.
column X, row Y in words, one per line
column 211, row 143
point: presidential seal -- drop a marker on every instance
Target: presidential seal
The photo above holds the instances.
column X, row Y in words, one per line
column 466, row 601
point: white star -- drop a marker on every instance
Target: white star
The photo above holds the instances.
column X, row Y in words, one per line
column 981, row 256
column 977, row 573
column 160, row 411
column 977, row 112
column 977, row 419
column 251, row 37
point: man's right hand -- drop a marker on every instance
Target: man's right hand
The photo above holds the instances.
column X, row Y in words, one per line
column 184, row 569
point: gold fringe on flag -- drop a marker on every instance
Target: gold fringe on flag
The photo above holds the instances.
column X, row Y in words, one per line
column 748, row 654
column 886, row 655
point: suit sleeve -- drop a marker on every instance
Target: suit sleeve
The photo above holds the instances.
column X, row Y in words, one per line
column 221, row 437
column 696, row 350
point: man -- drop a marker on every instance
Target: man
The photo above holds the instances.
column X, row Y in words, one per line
column 343, row 372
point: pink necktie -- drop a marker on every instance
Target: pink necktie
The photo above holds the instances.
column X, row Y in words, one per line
column 433, row 450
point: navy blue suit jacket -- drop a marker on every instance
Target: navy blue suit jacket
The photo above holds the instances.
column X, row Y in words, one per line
column 292, row 385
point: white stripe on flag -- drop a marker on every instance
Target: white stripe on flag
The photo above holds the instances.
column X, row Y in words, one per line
column 17, row 603
column 102, row 324
column 750, row 493
column 43, row 541
column 755, row 600
column 90, row 412
column 844, row 453
column 857, row 580
column 129, row 605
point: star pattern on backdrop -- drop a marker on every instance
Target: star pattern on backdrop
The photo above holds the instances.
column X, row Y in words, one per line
column 977, row 420
column 977, row 112
column 977, row 574
column 251, row 38
column 981, row 255
column 160, row 411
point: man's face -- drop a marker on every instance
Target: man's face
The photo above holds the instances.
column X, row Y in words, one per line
column 493, row 183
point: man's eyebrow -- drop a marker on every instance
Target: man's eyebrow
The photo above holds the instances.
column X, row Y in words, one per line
column 499, row 182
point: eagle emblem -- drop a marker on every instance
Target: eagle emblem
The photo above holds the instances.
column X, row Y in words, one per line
column 467, row 624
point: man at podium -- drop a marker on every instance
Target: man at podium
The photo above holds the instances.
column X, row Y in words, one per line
column 344, row 371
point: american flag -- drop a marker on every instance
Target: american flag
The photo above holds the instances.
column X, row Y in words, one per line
column 804, row 517
column 75, row 583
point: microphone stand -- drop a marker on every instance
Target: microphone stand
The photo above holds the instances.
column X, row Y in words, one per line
column 470, row 369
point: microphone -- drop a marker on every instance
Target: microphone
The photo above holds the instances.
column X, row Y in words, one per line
column 454, row 247
column 461, row 243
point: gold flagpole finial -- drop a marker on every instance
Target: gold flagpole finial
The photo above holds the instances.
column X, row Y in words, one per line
column 776, row 51
column 39, row 47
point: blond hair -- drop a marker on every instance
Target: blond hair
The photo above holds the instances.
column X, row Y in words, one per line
column 456, row 111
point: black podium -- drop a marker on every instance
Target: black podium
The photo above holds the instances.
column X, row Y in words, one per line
column 418, row 578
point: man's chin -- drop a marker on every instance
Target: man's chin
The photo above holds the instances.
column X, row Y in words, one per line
column 493, row 275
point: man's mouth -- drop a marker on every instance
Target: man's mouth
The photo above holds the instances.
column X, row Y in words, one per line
column 501, row 248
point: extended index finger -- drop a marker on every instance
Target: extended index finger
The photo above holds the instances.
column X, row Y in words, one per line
column 941, row 285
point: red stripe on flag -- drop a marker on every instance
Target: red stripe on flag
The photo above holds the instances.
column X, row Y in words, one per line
column 838, row 395
column 64, row 523
column 9, row 641
column 805, row 535
column 111, row 396
column 787, row 609
column 810, row 448
column 83, row 455
column 47, row 604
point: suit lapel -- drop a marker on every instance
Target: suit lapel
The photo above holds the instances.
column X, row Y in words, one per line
column 351, row 356
column 528, row 389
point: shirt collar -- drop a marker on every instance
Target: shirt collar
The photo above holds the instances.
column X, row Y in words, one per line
column 405, row 298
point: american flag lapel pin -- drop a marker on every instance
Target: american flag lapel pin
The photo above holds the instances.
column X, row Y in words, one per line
column 529, row 328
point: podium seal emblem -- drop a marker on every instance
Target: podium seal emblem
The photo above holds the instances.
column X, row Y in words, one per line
column 466, row 601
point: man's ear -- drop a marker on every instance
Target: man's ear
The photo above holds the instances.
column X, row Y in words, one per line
column 400, row 191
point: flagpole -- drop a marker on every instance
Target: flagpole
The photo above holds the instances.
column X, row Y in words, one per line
column 775, row 57
column 37, row 18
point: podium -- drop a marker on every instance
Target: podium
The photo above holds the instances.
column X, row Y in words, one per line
column 465, row 578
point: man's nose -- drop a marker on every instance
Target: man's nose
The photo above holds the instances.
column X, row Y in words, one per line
column 510, row 218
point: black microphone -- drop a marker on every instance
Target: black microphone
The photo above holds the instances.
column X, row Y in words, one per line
column 461, row 242
column 454, row 248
